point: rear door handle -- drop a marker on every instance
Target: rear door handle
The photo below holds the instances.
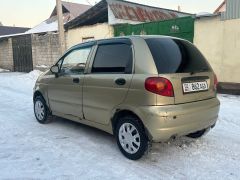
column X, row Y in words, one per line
column 76, row 80
column 120, row 81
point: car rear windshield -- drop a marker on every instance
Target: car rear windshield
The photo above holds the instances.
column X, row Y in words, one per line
column 176, row 56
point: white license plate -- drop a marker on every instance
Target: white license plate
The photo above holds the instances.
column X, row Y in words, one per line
column 195, row 87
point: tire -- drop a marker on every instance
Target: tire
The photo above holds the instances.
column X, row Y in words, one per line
column 197, row 134
column 131, row 138
column 41, row 110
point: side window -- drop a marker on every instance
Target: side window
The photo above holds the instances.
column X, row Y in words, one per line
column 75, row 61
column 113, row 58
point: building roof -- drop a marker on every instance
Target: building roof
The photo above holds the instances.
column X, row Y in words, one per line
column 74, row 9
column 230, row 10
column 70, row 11
column 219, row 9
column 96, row 14
column 7, row 30
column 118, row 11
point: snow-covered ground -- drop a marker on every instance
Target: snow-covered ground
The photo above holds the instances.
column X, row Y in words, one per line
column 67, row 150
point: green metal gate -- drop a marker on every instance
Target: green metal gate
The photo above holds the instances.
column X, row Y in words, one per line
column 180, row 27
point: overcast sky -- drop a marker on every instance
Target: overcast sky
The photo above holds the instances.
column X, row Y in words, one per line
column 28, row 13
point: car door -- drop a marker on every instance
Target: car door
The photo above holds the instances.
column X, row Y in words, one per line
column 108, row 80
column 65, row 90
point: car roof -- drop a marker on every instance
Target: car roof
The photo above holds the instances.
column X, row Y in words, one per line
column 93, row 42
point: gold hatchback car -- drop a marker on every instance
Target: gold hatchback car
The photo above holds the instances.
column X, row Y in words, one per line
column 141, row 89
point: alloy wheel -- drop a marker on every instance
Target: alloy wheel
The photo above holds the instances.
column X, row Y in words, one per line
column 129, row 138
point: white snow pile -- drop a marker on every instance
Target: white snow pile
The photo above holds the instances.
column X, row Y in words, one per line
column 42, row 66
column 3, row 70
column 203, row 14
column 68, row 150
column 20, row 82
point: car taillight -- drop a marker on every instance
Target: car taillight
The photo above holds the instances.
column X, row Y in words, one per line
column 215, row 82
column 159, row 85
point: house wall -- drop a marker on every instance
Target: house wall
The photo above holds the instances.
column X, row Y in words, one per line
column 98, row 31
column 6, row 54
column 45, row 50
column 219, row 41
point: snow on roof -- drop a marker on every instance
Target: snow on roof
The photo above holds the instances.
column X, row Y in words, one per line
column 11, row 35
column 205, row 14
column 45, row 26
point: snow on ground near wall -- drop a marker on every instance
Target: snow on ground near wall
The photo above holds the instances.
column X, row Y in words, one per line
column 42, row 66
column 67, row 150
column 3, row 70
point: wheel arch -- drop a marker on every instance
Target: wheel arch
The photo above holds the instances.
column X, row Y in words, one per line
column 38, row 93
column 125, row 112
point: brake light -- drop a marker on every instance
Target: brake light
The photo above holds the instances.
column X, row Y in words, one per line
column 215, row 82
column 159, row 85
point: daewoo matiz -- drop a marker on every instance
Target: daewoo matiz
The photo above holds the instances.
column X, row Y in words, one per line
column 141, row 89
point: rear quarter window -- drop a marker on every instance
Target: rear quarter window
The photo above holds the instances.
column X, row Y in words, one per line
column 176, row 56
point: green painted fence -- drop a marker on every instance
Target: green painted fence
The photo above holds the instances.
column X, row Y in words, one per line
column 180, row 27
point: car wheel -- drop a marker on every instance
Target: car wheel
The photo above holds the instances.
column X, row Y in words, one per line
column 41, row 110
column 197, row 134
column 131, row 138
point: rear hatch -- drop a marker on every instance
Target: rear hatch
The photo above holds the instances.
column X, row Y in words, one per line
column 183, row 64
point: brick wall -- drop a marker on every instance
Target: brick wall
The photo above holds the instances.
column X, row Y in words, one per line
column 6, row 54
column 45, row 50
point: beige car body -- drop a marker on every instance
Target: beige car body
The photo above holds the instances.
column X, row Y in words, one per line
column 96, row 101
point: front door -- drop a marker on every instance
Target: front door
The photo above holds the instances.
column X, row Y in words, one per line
column 65, row 91
column 107, row 83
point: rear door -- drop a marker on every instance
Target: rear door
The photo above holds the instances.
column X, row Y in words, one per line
column 108, row 80
column 187, row 69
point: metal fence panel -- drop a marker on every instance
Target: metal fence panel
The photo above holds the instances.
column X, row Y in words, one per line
column 180, row 27
column 22, row 53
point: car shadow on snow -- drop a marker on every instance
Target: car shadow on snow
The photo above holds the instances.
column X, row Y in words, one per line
column 107, row 141
column 83, row 131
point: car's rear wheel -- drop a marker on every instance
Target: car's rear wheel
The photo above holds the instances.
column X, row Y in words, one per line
column 41, row 110
column 131, row 137
column 197, row 134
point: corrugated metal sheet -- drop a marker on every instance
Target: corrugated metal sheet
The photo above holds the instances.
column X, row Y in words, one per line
column 139, row 13
column 121, row 12
column 232, row 10
column 179, row 27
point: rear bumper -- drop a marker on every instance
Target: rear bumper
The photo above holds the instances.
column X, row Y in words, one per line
column 164, row 122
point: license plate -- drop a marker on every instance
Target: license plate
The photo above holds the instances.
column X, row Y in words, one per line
column 195, row 87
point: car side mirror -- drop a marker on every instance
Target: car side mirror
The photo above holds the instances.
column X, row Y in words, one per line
column 55, row 70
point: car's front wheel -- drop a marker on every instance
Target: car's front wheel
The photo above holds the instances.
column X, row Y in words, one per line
column 41, row 110
column 131, row 137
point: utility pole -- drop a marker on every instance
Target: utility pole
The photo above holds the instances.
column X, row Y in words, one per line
column 179, row 8
column 60, row 26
